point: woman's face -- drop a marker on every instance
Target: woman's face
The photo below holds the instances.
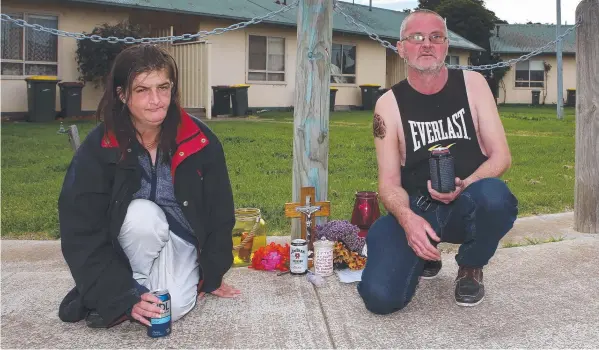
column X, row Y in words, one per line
column 150, row 98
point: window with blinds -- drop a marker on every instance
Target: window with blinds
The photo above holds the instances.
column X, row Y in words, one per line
column 343, row 64
column 266, row 58
column 26, row 51
column 530, row 74
column 452, row 60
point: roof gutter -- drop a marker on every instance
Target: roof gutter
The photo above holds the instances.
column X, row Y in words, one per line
column 100, row 2
column 103, row 3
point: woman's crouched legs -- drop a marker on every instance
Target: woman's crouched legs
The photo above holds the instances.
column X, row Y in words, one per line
column 159, row 258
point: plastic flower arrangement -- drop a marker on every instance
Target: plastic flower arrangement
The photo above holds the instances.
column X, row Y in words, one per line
column 342, row 231
column 271, row 257
column 348, row 245
column 344, row 258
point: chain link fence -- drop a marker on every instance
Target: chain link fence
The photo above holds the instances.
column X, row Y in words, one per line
column 131, row 40
column 339, row 9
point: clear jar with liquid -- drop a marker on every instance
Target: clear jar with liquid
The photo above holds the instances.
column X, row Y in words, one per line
column 249, row 234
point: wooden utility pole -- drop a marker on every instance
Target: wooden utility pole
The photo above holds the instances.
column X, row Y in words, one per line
column 560, row 67
column 586, row 192
column 311, row 112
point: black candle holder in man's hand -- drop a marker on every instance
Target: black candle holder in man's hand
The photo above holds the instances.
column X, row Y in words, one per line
column 442, row 170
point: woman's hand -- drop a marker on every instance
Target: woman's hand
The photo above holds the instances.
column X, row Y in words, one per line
column 224, row 291
column 145, row 308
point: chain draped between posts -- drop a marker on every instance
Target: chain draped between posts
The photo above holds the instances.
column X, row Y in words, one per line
column 507, row 63
column 217, row 31
column 132, row 40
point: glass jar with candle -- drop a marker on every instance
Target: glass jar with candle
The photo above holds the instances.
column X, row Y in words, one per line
column 249, row 234
column 366, row 211
column 323, row 257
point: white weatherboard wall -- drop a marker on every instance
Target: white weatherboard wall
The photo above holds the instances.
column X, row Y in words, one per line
column 229, row 64
column 523, row 95
column 72, row 17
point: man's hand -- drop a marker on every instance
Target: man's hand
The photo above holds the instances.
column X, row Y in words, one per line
column 418, row 231
column 145, row 308
column 224, row 291
column 447, row 198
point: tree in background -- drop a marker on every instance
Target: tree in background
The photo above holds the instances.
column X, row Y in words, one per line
column 433, row 4
column 473, row 21
column 429, row 4
column 469, row 19
column 94, row 59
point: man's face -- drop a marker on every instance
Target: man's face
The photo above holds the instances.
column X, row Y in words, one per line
column 424, row 43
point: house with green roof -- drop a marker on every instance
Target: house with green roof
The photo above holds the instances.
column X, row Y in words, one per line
column 538, row 75
column 261, row 55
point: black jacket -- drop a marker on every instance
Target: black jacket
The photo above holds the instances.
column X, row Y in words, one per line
column 96, row 192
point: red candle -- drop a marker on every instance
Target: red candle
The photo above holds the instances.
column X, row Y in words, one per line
column 366, row 211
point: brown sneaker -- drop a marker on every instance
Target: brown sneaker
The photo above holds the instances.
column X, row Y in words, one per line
column 469, row 287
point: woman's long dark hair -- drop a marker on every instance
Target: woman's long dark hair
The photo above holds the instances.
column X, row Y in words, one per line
column 128, row 64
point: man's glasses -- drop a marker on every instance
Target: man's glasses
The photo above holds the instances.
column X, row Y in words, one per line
column 418, row 38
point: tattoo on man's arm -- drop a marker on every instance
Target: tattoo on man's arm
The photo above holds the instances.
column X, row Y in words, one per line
column 378, row 127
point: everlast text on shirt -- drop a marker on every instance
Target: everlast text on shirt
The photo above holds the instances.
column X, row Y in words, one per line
column 425, row 133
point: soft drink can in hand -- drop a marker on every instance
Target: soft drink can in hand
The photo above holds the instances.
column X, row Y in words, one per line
column 161, row 326
column 442, row 170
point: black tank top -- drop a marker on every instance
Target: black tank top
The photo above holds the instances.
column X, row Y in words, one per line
column 438, row 120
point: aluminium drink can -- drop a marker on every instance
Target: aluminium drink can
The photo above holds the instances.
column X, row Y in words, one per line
column 298, row 259
column 161, row 326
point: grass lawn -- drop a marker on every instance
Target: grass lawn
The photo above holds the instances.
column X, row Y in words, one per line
column 259, row 156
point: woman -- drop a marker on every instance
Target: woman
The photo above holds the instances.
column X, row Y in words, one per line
column 146, row 203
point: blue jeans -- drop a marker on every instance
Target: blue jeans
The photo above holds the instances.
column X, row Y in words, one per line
column 477, row 220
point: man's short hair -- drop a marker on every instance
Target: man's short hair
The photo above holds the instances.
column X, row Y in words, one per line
column 404, row 24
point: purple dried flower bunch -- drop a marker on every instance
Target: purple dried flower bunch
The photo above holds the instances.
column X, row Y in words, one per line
column 342, row 231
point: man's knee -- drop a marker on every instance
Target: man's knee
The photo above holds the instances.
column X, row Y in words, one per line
column 143, row 218
column 382, row 229
column 493, row 195
column 379, row 299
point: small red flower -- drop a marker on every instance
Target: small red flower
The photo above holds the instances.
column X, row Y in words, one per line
column 271, row 257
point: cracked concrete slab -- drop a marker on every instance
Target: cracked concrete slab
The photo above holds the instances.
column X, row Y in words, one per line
column 536, row 296
column 6, row 276
column 544, row 227
column 534, row 230
column 31, row 255
column 273, row 312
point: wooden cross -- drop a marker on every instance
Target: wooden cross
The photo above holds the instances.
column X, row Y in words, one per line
column 307, row 199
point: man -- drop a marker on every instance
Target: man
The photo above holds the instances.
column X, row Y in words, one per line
column 435, row 107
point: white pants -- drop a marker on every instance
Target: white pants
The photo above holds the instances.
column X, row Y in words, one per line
column 159, row 258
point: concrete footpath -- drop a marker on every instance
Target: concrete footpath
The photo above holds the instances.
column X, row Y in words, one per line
column 537, row 296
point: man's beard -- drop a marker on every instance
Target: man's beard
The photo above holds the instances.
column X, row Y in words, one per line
column 436, row 68
column 431, row 70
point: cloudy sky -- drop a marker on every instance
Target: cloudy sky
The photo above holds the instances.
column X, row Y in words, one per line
column 513, row 11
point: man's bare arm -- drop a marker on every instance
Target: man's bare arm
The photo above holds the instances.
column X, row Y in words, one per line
column 386, row 142
column 491, row 130
column 386, row 132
